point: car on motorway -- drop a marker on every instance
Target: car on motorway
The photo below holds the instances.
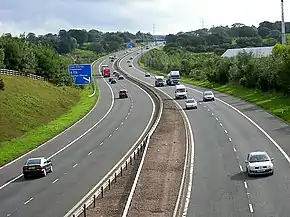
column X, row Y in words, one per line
column 180, row 92
column 191, row 104
column 121, row 77
column 39, row 166
column 123, row 93
column 147, row 74
column 208, row 96
column 115, row 72
column 113, row 81
column 128, row 61
column 110, row 79
column 130, row 65
column 258, row 163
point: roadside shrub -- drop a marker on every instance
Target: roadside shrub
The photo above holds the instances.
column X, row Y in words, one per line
column 2, row 85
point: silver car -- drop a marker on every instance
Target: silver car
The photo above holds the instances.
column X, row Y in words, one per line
column 258, row 163
column 208, row 96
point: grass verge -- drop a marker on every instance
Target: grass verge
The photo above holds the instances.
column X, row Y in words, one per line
column 40, row 111
column 275, row 103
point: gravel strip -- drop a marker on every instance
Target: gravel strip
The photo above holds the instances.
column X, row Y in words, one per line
column 114, row 201
column 158, row 186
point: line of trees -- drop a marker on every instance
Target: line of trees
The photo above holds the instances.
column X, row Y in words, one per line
column 49, row 55
column 220, row 38
column 266, row 74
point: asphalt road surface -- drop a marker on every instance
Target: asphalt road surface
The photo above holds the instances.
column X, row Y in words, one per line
column 223, row 138
column 84, row 161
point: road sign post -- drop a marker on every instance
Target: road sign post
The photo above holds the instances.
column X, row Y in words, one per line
column 82, row 73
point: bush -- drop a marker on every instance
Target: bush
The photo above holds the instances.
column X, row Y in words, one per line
column 2, row 85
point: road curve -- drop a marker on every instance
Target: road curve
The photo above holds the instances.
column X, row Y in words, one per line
column 82, row 164
column 223, row 138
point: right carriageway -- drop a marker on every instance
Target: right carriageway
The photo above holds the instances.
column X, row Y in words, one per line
column 223, row 136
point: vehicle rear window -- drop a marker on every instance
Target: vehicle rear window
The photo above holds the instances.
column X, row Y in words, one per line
column 259, row 158
column 123, row 91
column 208, row 93
column 33, row 161
column 191, row 101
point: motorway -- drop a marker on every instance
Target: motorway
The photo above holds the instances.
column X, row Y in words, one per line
column 222, row 139
column 81, row 156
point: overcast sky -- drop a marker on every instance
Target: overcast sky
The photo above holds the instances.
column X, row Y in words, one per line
column 169, row 16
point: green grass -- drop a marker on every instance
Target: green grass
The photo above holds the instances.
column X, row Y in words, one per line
column 82, row 52
column 275, row 103
column 33, row 112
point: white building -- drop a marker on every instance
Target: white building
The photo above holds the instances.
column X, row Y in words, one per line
column 257, row 52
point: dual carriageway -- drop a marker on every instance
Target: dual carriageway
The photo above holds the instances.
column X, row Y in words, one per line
column 224, row 132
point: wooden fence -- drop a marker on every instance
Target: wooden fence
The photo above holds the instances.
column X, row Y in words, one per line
column 16, row 73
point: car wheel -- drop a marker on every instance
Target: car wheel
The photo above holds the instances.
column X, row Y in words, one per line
column 213, row 99
column 25, row 176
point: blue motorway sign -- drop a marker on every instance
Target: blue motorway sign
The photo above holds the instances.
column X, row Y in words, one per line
column 82, row 73
column 129, row 45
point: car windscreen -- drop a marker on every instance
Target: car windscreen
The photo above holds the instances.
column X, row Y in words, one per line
column 33, row 162
column 160, row 80
column 258, row 158
column 190, row 101
column 181, row 90
column 207, row 93
column 123, row 92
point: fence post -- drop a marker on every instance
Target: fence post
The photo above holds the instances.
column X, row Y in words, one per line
column 85, row 211
column 94, row 200
column 130, row 160
column 109, row 184
column 115, row 177
column 126, row 165
column 138, row 152
column 121, row 170
column 134, row 155
column 102, row 190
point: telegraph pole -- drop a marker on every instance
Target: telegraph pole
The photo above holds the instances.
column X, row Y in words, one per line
column 283, row 24
column 153, row 33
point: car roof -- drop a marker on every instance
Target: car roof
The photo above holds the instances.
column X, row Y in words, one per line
column 36, row 158
column 258, row 153
column 180, row 86
column 190, row 99
column 208, row 91
column 122, row 90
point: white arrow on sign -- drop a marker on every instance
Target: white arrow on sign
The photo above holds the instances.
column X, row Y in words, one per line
column 87, row 79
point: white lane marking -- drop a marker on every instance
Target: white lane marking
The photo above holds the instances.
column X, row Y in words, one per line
column 221, row 124
column 212, row 113
column 217, row 119
column 75, row 165
column 204, row 106
column 9, row 214
column 122, row 123
column 241, row 168
column 190, row 183
column 246, row 185
column 114, row 168
column 230, row 139
column 26, row 202
column 251, row 121
column 226, row 131
column 101, row 143
column 110, row 135
column 72, row 142
column 208, row 110
column 90, row 153
column 251, row 208
column 126, row 118
column 117, row 128
column 76, row 123
column 235, row 150
column 54, row 181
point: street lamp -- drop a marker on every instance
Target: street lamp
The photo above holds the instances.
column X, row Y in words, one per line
column 283, row 35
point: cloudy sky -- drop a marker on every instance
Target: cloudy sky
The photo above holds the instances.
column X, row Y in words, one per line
column 169, row 16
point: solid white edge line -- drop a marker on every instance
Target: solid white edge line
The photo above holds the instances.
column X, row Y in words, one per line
column 241, row 168
column 75, row 165
column 188, row 194
column 83, row 200
column 26, row 202
column 20, row 157
column 245, row 184
column 72, row 142
column 55, row 181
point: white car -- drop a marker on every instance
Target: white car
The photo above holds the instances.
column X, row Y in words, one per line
column 191, row 104
column 258, row 163
column 208, row 96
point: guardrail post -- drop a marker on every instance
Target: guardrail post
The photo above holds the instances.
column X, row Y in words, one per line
column 102, row 190
column 126, row 165
column 94, row 200
column 134, row 155
column 115, row 177
column 130, row 160
column 138, row 152
column 121, row 171
column 109, row 184
column 85, row 210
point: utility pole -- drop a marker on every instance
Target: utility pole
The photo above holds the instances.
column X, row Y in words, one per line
column 283, row 35
column 202, row 23
column 153, row 33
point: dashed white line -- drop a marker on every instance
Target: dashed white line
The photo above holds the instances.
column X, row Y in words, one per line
column 204, row 106
column 241, row 168
column 208, row 110
column 54, row 181
column 221, row 124
column 9, row 214
column 122, row 123
column 246, row 185
column 75, row 165
column 26, row 202
column 212, row 113
column 90, row 153
column 226, row 131
column 251, row 208
column 235, row 150
column 230, row 139
column 217, row 119
column 117, row 128
column 110, row 135
column 101, row 143
column 126, row 117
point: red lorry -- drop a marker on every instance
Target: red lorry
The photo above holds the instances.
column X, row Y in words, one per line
column 106, row 72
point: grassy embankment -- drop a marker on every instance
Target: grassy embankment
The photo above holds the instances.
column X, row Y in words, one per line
column 275, row 103
column 32, row 112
